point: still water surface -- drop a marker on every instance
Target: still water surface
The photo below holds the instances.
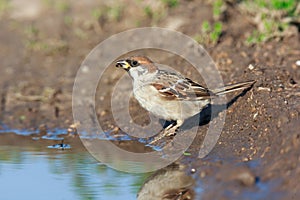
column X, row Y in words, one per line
column 26, row 173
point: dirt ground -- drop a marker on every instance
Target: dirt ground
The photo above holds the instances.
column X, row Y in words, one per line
column 258, row 153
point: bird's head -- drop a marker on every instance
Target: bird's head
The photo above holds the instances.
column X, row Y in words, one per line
column 136, row 63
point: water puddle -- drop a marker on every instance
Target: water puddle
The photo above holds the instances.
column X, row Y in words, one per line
column 57, row 166
column 28, row 173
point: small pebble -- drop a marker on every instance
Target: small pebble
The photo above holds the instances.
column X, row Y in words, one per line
column 102, row 113
column 245, row 159
column 243, row 53
column 298, row 63
column 255, row 115
column 228, row 61
column 70, row 130
column 264, row 89
column 246, row 178
column 251, row 67
column 193, row 170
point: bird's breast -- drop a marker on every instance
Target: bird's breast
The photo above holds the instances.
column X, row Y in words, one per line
column 150, row 99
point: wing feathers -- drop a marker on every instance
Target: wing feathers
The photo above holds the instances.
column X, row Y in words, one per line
column 176, row 87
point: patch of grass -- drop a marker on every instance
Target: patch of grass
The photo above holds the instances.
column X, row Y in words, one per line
column 256, row 37
column 113, row 13
column 216, row 32
column 217, row 8
column 35, row 43
column 206, row 27
column 210, row 33
column 68, row 20
column 148, row 11
column 80, row 33
column 97, row 13
column 31, row 31
column 48, row 47
column 4, row 4
column 155, row 14
column 138, row 23
column 171, row 3
column 276, row 4
column 62, row 6
column 272, row 17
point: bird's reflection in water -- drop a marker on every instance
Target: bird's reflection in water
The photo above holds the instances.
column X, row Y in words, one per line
column 169, row 183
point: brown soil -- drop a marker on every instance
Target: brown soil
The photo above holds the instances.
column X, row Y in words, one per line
column 258, row 153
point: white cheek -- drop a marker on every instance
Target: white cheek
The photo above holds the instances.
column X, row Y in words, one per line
column 135, row 72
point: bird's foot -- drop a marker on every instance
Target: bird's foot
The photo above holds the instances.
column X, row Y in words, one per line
column 164, row 133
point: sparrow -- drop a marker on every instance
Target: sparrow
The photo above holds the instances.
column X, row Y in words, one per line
column 169, row 95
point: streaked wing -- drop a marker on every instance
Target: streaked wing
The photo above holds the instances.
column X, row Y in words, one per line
column 175, row 86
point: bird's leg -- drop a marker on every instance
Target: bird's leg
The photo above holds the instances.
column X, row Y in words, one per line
column 170, row 126
column 168, row 131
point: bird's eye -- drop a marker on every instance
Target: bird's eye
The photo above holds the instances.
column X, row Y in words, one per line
column 134, row 63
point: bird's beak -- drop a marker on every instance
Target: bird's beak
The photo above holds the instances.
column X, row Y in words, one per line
column 123, row 64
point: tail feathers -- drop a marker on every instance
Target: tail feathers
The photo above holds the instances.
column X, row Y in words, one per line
column 233, row 87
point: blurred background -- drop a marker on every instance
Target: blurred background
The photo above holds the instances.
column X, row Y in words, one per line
column 43, row 42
